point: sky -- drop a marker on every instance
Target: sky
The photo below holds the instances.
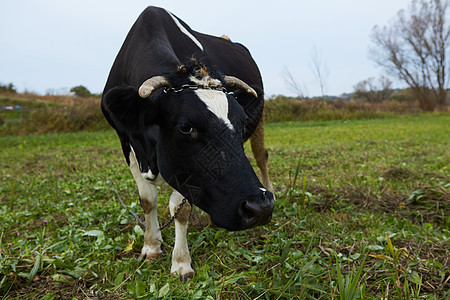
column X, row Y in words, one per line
column 49, row 46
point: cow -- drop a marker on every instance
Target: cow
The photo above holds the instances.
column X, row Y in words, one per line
column 182, row 104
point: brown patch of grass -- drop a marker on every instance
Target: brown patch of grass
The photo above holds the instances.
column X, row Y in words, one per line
column 431, row 208
column 429, row 204
column 398, row 173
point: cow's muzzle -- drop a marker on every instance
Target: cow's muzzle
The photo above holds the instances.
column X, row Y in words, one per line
column 257, row 210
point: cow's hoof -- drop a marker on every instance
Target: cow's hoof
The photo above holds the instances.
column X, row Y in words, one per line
column 149, row 256
column 183, row 271
column 185, row 277
column 149, row 253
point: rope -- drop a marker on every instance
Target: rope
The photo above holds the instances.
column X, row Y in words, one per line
column 123, row 204
column 170, row 221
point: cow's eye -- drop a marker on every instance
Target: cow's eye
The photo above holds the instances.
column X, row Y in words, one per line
column 185, row 128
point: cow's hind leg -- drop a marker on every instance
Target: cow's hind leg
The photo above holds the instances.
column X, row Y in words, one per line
column 181, row 259
column 148, row 195
column 261, row 155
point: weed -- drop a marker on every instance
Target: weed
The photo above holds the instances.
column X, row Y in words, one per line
column 400, row 276
column 348, row 287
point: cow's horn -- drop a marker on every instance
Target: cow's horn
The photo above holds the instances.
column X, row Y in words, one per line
column 237, row 83
column 152, row 84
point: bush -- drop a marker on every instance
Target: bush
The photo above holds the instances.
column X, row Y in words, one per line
column 44, row 117
column 81, row 91
column 372, row 91
column 402, row 96
column 282, row 109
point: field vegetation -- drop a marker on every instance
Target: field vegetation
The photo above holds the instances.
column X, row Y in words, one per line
column 362, row 209
column 285, row 109
column 56, row 114
column 49, row 114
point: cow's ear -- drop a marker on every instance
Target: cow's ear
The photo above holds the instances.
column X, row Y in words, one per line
column 127, row 110
column 253, row 108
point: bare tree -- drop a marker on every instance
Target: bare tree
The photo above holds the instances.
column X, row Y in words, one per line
column 414, row 48
column 320, row 70
column 292, row 84
column 371, row 91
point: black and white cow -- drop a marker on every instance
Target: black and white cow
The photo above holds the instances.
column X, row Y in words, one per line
column 182, row 104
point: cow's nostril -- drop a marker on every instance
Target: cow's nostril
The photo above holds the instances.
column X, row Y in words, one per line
column 244, row 211
column 252, row 207
column 257, row 210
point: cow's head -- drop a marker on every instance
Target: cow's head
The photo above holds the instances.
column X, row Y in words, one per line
column 198, row 131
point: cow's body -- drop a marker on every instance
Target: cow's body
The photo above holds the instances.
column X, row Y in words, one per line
column 185, row 129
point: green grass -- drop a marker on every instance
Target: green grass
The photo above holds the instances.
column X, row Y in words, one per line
column 346, row 191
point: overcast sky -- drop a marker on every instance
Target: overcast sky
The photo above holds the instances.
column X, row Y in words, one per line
column 58, row 44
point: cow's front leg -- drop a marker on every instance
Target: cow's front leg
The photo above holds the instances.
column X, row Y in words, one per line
column 181, row 260
column 148, row 195
column 152, row 235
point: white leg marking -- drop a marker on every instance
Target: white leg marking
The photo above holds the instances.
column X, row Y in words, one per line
column 155, row 180
column 149, row 175
column 181, row 260
column 217, row 103
column 149, row 199
column 185, row 31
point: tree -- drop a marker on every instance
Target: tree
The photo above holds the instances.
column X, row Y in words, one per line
column 10, row 88
column 292, row 84
column 81, row 91
column 370, row 91
column 320, row 70
column 414, row 48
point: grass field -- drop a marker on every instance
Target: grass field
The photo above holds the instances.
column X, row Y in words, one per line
column 363, row 210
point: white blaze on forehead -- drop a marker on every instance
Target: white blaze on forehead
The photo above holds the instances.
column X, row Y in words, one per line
column 185, row 31
column 217, row 103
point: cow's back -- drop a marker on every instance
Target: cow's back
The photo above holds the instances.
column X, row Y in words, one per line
column 155, row 45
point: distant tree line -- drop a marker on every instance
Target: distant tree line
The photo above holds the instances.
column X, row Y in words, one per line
column 8, row 88
column 78, row 91
column 372, row 91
